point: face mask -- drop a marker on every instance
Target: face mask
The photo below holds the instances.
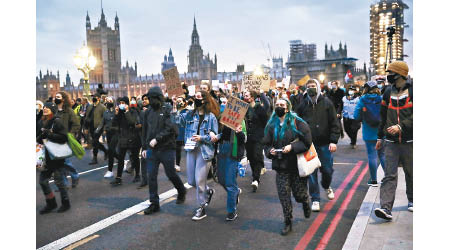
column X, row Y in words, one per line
column 391, row 78
column 58, row 101
column 222, row 107
column 351, row 92
column 280, row 111
column 109, row 105
column 333, row 87
column 380, row 86
column 180, row 105
column 223, row 100
column 133, row 102
column 198, row 103
column 122, row 106
column 284, row 96
column 312, row 91
column 94, row 100
column 154, row 103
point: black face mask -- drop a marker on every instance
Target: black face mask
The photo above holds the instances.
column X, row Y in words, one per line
column 58, row 101
column 198, row 103
column 180, row 105
column 155, row 103
column 391, row 78
column 109, row 105
column 280, row 111
column 312, row 91
column 94, row 100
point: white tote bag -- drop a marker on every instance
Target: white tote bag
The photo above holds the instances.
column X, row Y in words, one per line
column 308, row 161
column 58, row 151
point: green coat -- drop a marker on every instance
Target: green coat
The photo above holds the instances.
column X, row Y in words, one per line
column 69, row 119
column 98, row 115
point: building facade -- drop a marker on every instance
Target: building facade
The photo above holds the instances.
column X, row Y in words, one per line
column 47, row 85
column 383, row 14
column 169, row 62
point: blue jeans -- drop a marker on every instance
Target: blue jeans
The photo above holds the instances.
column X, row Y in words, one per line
column 373, row 154
column 167, row 158
column 68, row 167
column 326, row 160
column 227, row 173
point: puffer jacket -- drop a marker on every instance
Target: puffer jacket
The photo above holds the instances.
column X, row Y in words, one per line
column 397, row 108
column 158, row 124
column 369, row 132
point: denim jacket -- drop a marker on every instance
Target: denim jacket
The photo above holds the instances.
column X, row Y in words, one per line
column 189, row 121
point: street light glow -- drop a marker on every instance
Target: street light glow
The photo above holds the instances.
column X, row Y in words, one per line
column 321, row 77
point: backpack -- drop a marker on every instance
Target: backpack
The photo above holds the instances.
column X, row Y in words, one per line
column 371, row 112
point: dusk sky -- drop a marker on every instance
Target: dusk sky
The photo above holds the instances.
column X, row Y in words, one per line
column 235, row 30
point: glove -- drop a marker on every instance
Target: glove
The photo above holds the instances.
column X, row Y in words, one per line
column 153, row 143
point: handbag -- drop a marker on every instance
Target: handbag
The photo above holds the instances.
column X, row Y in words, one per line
column 308, row 162
column 57, row 151
column 40, row 157
column 77, row 149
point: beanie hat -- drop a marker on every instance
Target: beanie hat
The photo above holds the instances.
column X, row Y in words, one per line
column 51, row 106
column 125, row 99
column 40, row 103
column 398, row 67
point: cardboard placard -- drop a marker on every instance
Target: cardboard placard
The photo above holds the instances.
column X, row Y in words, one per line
column 303, row 81
column 172, row 82
column 234, row 113
column 273, row 84
column 256, row 82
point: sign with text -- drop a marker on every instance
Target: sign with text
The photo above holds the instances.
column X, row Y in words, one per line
column 234, row 113
column 256, row 82
column 172, row 80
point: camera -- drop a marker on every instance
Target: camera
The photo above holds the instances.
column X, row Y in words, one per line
column 279, row 153
column 390, row 30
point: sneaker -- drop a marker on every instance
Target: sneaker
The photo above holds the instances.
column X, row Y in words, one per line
column 209, row 195
column 353, row 146
column 116, row 182
column 330, row 194
column 231, row 216
column 177, row 168
column 263, row 171
column 75, row 182
column 410, row 206
column 255, row 185
column 372, row 183
column 108, row 174
column 307, row 209
column 153, row 208
column 199, row 214
column 383, row 213
column 136, row 179
column 315, row 206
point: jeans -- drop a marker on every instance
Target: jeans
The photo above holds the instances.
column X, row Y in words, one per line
column 134, row 157
column 396, row 153
column 69, row 169
column 227, row 173
column 197, row 171
column 96, row 143
column 167, row 158
column 326, row 160
column 255, row 156
column 372, row 155
column 58, row 174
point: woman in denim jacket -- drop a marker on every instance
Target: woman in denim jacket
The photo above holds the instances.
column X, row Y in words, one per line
column 198, row 124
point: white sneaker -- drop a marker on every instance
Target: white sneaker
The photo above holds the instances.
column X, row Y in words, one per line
column 263, row 171
column 330, row 193
column 410, row 206
column 255, row 185
column 109, row 174
column 315, row 206
column 177, row 168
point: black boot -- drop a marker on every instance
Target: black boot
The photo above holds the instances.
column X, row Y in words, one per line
column 94, row 161
column 65, row 206
column 50, row 205
column 287, row 227
column 181, row 197
column 307, row 208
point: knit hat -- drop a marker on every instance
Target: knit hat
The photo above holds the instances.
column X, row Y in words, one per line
column 125, row 99
column 51, row 106
column 398, row 67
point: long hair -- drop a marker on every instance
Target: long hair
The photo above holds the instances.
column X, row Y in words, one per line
column 210, row 105
column 66, row 100
column 289, row 122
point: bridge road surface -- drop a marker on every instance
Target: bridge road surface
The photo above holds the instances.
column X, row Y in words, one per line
column 258, row 224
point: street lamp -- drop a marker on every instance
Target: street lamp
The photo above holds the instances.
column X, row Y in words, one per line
column 85, row 62
column 321, row 77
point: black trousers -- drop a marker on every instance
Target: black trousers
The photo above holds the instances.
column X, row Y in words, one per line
column 134, row 157
column 256, row 158
column 113, row 140
column 351, row 128
column 96, row 143
column 58, row 174
column 288, row 183
column 178, row 152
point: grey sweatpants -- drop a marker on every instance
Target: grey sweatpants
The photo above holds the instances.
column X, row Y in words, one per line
column 197, row 173
column 396, row 153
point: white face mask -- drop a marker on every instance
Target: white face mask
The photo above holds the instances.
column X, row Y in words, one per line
column 133, row 102
column 351, row 92
column 285, row 96
column 122, row 106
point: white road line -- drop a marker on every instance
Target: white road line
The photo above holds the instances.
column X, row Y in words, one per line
column 85, row 172
column 85, row 232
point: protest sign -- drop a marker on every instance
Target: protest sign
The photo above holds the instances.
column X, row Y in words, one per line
column 302, row 81
column 234, row 113
column 273, row 84
column 172, row 82
column 256, row 82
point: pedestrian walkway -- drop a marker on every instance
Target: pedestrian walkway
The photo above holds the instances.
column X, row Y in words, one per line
column 369, row 232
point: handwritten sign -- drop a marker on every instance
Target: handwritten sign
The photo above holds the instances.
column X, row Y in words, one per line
column 256, row 82
column 172, row 79
column 273, row 84
column 234, row 113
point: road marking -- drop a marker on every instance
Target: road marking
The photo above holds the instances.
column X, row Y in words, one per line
column 304, row 241
column 85, row 232
column 332, row 227
column 81, row 242
column 343, row 163
column 85, row 172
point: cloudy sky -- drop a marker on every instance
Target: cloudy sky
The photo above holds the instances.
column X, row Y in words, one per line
column 235, row 30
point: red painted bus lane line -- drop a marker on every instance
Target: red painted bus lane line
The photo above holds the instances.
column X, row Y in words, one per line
column 327, row 236
column 304, row 241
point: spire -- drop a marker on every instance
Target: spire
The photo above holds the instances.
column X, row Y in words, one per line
column 88, row 21
column 135, row 66
column 102, row 19
column 165, row 58
column 170, row 52
column 195, row 39
column 215, row 59
column 40, row 74
column 340, row 45
column 127, row 64
column 116, row 22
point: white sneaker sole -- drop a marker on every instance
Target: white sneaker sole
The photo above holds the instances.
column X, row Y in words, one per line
column 198, row 218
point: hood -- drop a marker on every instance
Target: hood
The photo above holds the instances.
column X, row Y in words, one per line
column 371, row 98
column 316, row 98
column 155, row 92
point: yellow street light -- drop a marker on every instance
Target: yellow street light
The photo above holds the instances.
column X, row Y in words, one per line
column 321, row 77
column 85, row 62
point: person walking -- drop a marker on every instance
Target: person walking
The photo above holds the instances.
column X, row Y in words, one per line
column 145, row 106
column 256, row 119
column 94, row 115
column 396, row 128
column 180, row 105
column 198, row 123
column 335, row 94
column 52, row 129
column 112, row 137
column 158, row 146
column 368, row 110
column 285, row 136
column 318, row 111
column 351, row 125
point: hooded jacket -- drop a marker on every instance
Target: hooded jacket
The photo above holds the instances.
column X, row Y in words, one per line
column 95, row 118
column 69, row 120
column 320, row 115
column 369, row 133
column 256, row 119
column 397, row 108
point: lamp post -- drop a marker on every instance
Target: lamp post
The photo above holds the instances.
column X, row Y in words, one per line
column 321, row 77
column 85, row 62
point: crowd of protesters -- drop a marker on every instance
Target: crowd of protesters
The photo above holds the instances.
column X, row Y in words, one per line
column 280, row 124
